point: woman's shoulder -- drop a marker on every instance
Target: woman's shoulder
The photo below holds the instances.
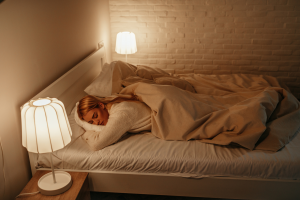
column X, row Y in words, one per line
column 128, row 106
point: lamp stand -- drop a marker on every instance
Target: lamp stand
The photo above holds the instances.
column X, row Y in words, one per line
column 54, row 183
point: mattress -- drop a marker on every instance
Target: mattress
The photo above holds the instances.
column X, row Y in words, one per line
column 144, row 153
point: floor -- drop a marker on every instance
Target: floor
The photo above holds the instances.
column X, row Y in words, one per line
column 118, row 196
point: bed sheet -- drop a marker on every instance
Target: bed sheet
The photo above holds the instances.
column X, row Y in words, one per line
column 145, row 153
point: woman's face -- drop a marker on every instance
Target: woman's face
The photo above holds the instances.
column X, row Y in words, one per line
column 97, row 116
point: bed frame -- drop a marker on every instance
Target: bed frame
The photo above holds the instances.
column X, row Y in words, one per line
column 69, row 89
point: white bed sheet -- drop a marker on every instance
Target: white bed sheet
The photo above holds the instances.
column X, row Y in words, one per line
column 145, row 153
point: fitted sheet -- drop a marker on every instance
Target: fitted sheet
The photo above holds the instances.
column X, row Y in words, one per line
column 145, row 153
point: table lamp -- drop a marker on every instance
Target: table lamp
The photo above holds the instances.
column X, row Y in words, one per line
column 125, row 43
column 45, row 129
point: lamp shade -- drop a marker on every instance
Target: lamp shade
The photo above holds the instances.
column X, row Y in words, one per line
column 45, row 125
column 126, row 43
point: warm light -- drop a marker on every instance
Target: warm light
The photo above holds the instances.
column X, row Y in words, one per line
column 126, row 43
column 41, row 102
column 45, row 125
column 46, row 128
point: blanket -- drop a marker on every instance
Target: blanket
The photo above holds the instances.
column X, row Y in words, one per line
column 251, row 111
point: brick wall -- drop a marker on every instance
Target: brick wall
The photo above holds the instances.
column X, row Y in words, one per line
column 213, row 36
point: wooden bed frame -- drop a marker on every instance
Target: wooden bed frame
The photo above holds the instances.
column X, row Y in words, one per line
column 69, row 89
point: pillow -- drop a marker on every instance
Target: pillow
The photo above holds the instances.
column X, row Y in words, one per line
column 146, row 72
column 135, row 79
column 109, row 81
column 87, row 126
column 169, row 80
column 76, row 129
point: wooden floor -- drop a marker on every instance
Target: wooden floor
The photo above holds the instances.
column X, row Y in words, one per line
column 118, row 196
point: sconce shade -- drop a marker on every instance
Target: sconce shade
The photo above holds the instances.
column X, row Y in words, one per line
column 126, row 43
column 45, row 125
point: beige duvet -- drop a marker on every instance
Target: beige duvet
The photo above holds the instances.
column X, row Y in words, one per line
column 251, row 111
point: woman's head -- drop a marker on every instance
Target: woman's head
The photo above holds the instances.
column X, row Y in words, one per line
column 92, row 110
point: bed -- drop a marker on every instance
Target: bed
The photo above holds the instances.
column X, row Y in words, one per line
column 143, row 164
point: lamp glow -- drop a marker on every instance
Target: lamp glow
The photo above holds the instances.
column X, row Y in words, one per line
column 45, row 129
column 126, row 43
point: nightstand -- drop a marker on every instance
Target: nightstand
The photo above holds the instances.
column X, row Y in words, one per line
column 78, row 191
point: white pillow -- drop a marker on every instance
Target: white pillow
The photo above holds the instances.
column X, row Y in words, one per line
column 87, row 126
column 102, row 85
column 110, row 79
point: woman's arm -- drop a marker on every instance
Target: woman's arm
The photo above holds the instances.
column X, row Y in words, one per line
column 115, row 128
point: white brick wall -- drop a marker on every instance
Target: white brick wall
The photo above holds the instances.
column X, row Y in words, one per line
column 213, row 36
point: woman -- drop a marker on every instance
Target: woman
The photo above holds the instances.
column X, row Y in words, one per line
column 118, row 115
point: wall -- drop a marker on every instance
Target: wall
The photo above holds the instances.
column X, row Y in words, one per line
column 214, row 36
column 40, row 41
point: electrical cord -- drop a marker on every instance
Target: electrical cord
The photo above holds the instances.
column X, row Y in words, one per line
column 23, row 194
column 3, row 167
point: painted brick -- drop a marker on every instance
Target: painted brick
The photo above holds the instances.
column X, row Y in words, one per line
column 155, row 2
column 215, row 2
column 244, row 30
column 204, row 51
column 175, row 46
column 196, row 14
column 185, row 61
column 270, row 58
column 185, row 19
column 256, row 2
column 122, row 7
column 260, row 52
column 166, row 50
column 232, row 46
column 193, row 46
column 212, row 57
column 210, row 67
column 175, row 24
column 282, row 52
column 263, row 8
column 268, row 68
column 254, row 25
column 259, row 63
column 231, row 57
column 257, row 13
column 222, row 62
column 175, row 56
column 203, row 71
column 224, row 30
column 294, row 2
column 285, row 19
column 175, row 66
column 223, row 51
column 277, row 2
column 158, row 13
column 240, row 52
column 293, row 14
column 203, row 62
column 213, row 35
column 229, row 67
column 176, row 14
column 175, row 35
column 241, row 62
column 264, row 42
column 193, row 56
column 185, row 51
column 251, row 57
column 156, row 56
column 265, row 31
column 166, row 19
column 192, row 35
column 144, row 7
column 205, row 30
column 243, row 41
column 284, row 8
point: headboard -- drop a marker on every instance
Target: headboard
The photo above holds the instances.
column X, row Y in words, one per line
column 69, row 87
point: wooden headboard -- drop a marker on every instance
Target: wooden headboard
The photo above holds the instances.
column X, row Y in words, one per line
column 69, row 87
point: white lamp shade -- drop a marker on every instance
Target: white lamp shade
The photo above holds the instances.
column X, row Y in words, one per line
column 126, row 43
column 45, row 125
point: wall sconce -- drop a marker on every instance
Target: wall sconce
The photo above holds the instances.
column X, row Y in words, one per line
column 126, row 43
column 45, row 129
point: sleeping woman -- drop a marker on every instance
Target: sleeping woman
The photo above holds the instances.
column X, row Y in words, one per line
column 117, row 116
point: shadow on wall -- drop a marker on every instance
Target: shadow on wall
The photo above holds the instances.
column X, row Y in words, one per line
column 1, row 1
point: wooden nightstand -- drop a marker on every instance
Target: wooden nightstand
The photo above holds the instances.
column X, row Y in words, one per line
column 78, row 191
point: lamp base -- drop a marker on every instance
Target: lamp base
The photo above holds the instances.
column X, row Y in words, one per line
column 48, row 187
